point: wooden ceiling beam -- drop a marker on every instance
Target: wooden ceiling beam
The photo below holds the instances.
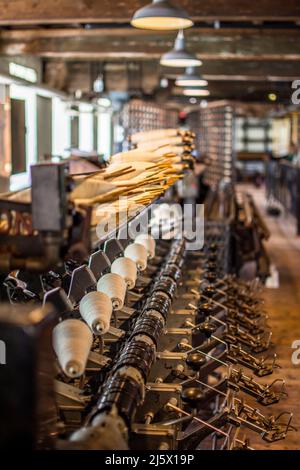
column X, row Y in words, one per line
column 241, row 47
column 118, row 55
column 268, row 71
column 249, row 78
column 23, row 12
column 254, row 69
column 29, row 34
column 231, row 90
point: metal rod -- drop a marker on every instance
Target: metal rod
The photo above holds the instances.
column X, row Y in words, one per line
column 215, row 302
column 209, row 356
column 179, row 410
column 207, row 386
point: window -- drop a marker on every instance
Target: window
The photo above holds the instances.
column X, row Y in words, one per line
column 86, row 128
column 104, row 134
column 61, row 128
column 24, row 129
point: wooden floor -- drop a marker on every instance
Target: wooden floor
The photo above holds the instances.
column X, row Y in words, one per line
column 283, row 306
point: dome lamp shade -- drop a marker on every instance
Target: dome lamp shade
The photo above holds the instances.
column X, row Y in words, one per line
column 178, row 56
column 196, row 92
column 190, row 79
column 161, row 15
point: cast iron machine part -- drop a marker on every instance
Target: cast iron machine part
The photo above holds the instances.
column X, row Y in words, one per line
column 170, row 371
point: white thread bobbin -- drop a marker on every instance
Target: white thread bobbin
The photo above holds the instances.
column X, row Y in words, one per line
column 126, row 268
column 72, row 341
column 114, row 286
column 138, row 254
column 148, row 242
column 96, row 309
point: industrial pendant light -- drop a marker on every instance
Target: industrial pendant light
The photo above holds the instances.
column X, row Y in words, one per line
column 190, row 78
column 161, row 15
column 196, row 92
column 179, row 57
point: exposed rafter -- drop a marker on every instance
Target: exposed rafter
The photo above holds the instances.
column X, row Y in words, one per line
column 118, row 11
column 117, row 44
column 249, row 54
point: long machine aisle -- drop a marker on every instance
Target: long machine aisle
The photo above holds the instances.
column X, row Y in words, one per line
column 283, row 307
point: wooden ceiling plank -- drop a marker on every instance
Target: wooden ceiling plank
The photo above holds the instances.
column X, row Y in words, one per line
column 102, row 32
column 107, row 11
column 206, row 46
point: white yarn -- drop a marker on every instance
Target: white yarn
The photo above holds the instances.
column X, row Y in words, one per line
column 96, row 309
column 126, row 268
column 134, row 156
column 114, row 286
column 72, row 341
column 152, row 135
column 138, row 254
column 148, row 242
